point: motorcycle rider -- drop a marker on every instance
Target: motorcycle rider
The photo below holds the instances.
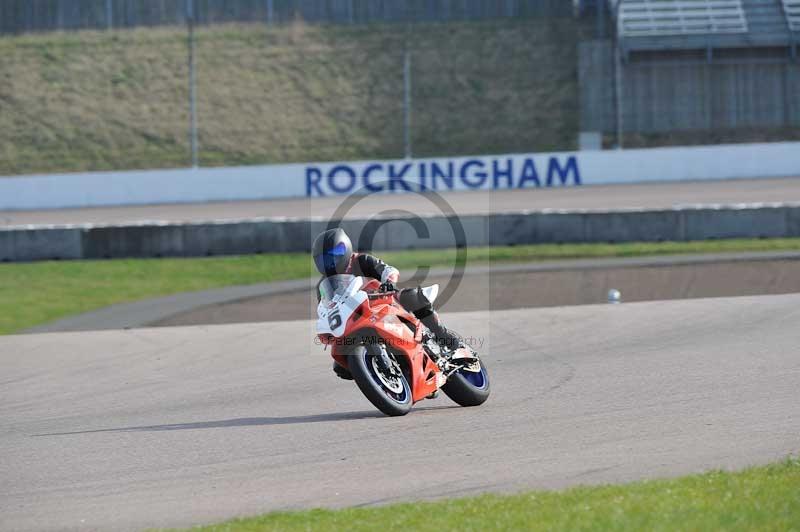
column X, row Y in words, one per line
column 333, row 255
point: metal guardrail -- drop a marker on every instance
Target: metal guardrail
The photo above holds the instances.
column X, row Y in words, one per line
column 653, row 18
column 237, row 237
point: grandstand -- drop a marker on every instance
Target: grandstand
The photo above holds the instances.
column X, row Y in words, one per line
column 792, row 10
column 659, row 25
column 719, row 66
column 649, row 18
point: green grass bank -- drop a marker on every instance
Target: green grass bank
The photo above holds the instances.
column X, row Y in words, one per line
column 36, row 293
column 96, row 100
column 759, row 498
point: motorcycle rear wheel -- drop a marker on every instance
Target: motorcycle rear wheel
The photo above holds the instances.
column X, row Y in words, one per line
column 391, row 394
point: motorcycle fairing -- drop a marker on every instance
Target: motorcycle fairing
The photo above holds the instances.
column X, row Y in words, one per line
column 385, row 317
column 334, row 314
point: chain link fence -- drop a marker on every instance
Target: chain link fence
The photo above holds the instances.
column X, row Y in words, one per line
column 21, row 16
column 122, row 99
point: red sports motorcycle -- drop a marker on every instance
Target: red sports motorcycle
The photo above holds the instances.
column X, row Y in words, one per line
column 393, row 358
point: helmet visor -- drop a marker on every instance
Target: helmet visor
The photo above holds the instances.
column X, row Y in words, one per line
column 328, row 260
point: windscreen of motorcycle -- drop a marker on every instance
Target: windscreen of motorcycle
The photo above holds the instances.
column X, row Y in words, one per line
column 340, row 296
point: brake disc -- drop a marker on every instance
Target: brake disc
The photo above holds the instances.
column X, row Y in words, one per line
column 392, row 382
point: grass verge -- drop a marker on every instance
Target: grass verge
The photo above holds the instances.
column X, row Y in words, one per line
column 759, row 498
column 39, row 292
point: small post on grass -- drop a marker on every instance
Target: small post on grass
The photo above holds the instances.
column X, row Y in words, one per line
column 614, row 296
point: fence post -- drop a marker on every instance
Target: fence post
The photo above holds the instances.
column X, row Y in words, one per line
column 408, row 148
column 192, row 82
column 407, row 103
column 270, row 11
column 618, row 86
column 601, row 19
column 60, row 16
column 109, row 15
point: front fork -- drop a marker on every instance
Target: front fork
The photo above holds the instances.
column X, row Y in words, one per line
column 456, row 360
column 383, row 360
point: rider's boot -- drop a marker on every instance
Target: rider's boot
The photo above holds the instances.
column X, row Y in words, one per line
column 414, row 300
column 448, row 340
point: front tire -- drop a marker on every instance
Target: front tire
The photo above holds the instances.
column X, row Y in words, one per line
column 391, row 394
column 468, row 388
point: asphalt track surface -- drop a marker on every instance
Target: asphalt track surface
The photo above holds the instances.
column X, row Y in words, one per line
column 594, row 197
column 188, row 425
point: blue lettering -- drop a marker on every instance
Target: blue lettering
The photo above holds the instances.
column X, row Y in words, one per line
column 313, row 178
column 348, row 172
column 446, row 176
column 480, row 175
column 529, row 173
column 563, row 173
column 395, row 177
column 506, row 174
column 423, row 177
column 368, row 173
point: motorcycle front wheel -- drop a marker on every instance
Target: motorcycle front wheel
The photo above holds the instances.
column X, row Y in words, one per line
column 467, row 387
column 381, row 379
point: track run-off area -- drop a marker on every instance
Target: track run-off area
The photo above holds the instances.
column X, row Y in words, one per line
column 190, row 425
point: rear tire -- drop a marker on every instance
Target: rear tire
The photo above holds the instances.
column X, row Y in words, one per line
column 468, row 388
column 391, row 403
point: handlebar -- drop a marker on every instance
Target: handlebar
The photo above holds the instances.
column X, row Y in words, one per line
column 378, row 295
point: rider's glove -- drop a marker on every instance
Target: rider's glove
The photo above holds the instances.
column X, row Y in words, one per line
column 387, row 287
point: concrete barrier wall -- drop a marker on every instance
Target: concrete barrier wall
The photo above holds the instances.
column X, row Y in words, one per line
column 497, row 172
column 29, row 243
